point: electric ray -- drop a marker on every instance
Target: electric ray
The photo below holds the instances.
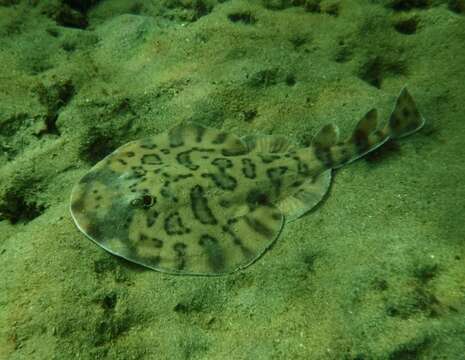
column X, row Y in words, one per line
column 197, row 200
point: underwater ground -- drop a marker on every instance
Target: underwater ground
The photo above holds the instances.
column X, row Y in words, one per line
column 377, row 271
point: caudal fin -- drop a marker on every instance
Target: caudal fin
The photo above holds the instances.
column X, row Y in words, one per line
column 405, row 119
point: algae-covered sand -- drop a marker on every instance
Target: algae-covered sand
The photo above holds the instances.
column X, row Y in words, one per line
column 377, row 271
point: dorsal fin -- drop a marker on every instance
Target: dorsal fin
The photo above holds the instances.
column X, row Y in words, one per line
column 405, row 118
column 367, row 124
column 361, row 136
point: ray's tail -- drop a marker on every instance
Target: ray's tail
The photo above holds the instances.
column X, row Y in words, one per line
column 405, row 119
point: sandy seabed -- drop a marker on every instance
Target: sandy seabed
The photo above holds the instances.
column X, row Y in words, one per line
column 377, row 271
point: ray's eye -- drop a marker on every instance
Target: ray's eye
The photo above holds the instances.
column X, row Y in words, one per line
column 144, row 201
column 147, row 201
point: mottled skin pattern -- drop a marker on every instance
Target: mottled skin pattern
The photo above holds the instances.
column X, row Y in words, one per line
column 196, row 200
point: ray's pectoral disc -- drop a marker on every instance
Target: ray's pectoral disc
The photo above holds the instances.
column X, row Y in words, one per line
column 178, row 202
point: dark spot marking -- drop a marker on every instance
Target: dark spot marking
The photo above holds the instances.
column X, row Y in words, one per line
column 174, row 225
column 180, row 250
column 395, row 122
column 248, row 254
column 297, row 183
column 122, row 161
column 165, row 151
column 200, row 208
column 268, row 158
column 302, row 167
column 214, row 252
column 220, row 138
column 208, row 150
column 360, row 139
column 166, row 193
column 248, row 168
column 182, row 177
column 275, row 175
column 406, row 112
column 158, row 243
column 324, row 155
column 259, row 227
column 151, row 159
column 138, row 171
column 77, row 205
column 148, row 146
column 184, row 158
column 345, row 154
column 130, row 154
column 257, row 198
column 222, row 180
column 237, row 149
column 151, row 217
column 222, row 163
column 227, row 229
